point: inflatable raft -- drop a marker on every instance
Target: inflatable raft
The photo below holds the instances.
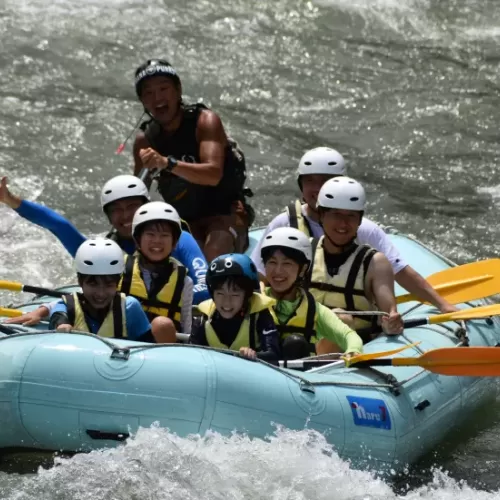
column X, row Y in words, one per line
column 74, row 392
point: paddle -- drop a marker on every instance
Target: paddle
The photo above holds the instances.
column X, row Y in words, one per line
column 465, row 314
column 10, row 313
column 15, row 286
column 464, row 283
column 459, row 361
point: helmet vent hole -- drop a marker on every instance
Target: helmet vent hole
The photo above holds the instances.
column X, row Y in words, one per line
column 92, row 244
column 108, row 191
column 329, row 196
column 332, row 163
column 354, row 198
column 130, row 186
column 307, row 163
column 88, row 262
column 114, row 262
column 293, row 238
column 143, row 212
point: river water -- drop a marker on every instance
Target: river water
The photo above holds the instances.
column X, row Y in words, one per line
column 407, row 90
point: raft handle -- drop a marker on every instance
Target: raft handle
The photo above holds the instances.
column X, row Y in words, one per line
column 120, row 353
column 422, row 405
column 112, row 436
column 306, row 386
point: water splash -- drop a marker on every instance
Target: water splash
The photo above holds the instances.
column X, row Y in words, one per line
column 155, row 464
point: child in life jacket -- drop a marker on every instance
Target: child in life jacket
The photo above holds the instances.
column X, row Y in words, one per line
column 287, row 254
column 237, row 318
column 100, row 308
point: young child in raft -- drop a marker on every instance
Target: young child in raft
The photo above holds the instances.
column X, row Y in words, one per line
column 236, row 317
column 287, row 253
column 100, row 308
column 157, row 280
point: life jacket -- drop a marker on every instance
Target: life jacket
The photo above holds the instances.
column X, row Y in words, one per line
column 303, row 321
column 297, row 219
column 247, row 335
column 346, row 289
column 193, row 201
column 114, row 324
column 165, row 294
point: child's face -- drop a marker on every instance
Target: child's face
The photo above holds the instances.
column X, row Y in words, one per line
column 157, row 241
column 229, row 300
column 281, row 272
column 99, row 290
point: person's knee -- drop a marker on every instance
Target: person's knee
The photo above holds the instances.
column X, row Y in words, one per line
column 163, row 330
column 324, row 346
column 218, row 242
column 295, row 347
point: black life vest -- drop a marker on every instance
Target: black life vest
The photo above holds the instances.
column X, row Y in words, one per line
column 193, row 201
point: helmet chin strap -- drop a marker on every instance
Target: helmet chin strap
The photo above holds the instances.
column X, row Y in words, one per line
column 146, row 260
column 295, row 284
column 343, row 248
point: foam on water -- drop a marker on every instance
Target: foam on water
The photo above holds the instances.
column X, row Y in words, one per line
column 155, row 464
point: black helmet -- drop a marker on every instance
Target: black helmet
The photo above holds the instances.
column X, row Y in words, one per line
column 154, row 67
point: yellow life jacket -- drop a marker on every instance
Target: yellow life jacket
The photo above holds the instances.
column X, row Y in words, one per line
column 303, row 321
column 163, row 298
column 247, row 335
column 347, row 288
column 297, row 219
column 114, row 324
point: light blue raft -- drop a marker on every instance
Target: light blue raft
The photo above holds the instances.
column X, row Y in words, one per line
column 76, row 392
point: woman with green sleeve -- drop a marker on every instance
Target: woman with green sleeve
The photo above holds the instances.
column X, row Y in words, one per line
column 286, row 253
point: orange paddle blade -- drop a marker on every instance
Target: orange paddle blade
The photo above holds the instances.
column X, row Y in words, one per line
column 459, row 361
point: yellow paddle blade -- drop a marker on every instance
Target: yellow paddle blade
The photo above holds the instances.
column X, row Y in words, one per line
column 374, row 355
column 11, row 285
column 10, row 313
column 456, row 292
column 460, row 361
column 459, row 284
column 465, row 314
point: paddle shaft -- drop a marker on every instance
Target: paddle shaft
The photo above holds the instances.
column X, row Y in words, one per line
column 316, row 363
column 43, row 291
column 15, row 286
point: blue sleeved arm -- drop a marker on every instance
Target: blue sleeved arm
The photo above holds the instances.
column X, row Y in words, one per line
column 60, row 227
column 60, row 307
column 137, row 321
column 190, row 255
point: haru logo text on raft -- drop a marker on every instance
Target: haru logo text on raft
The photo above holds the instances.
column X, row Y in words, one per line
column 370, row 412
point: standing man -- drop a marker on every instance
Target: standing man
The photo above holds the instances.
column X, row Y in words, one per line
column 201, row 171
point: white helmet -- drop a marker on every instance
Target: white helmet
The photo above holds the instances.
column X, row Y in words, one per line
column 156, row 211
column 123, row 186
column 99, row 257
column 322, row 160
column 289, row 237
column 343, row 193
